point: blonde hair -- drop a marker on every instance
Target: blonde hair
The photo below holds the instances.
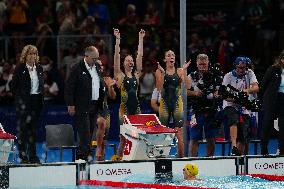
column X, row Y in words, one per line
column 25, row 52
column 202, row 57
column 278, row 60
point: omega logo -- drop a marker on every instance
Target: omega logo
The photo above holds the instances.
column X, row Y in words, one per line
column 114, row 171
column 265, row 166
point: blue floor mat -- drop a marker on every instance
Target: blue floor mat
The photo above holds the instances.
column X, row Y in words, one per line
column 54, row 155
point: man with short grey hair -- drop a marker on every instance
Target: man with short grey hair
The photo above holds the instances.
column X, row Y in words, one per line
column 203, row 106
column 85, row 98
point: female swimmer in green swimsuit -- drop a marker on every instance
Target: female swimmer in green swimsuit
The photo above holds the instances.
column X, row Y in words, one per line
column 127, row 81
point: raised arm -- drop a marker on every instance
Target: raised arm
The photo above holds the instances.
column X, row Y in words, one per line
column 116, row 57
column 182, row 74
column 140, row 51
column 160, row 72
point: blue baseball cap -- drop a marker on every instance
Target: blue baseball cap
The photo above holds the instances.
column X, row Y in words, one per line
column 240, row 59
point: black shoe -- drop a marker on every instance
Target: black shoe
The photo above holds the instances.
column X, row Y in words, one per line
column 264, row 150
column 24, row 160
column 34, row 160
column 235, row 151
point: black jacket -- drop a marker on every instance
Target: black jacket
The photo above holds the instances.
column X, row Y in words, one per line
column 269, row 88
column 78, row 88
column 21, row 84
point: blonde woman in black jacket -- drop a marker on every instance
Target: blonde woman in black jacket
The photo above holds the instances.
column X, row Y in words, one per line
column 27, row 88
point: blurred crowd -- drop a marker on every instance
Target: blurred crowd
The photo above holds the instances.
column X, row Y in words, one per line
column 61, row 29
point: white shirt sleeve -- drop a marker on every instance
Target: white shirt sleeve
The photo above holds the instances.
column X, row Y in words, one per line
column 252, row 77
column 226, row 79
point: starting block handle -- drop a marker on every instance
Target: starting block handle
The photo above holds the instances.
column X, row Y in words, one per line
column 1, row 128
column 161, row 146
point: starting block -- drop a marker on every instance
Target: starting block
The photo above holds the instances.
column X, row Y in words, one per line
column 6, row 145
column 146, row 137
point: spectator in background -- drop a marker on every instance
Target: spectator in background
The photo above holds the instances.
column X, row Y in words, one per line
column 54, row 75
column 3, row 15
column 130, row 21
column 147, row 85
column 51, row 89
column 130, row 18
column 170, row 11
column 223, row 50
column 45, row 17
column 104, row 58
column 67, row 27
column 88, row 26
column 196, row 46
column 17, row 21
column 272, row 87
column 153, row 59
column 101, row 13
column 169, row 40
column 64, row 10
column 81, row 10
column 5, row 88
column 70, row 60
column 27, row 88
column 44, row 40
column 152, row 16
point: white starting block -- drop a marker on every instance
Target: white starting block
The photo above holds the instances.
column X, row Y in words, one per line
column 146, row 137
column 6, row 145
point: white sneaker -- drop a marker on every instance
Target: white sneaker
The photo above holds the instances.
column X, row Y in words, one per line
column 80, row 161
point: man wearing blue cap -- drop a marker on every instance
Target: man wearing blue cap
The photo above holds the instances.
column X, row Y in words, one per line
column 235, row 115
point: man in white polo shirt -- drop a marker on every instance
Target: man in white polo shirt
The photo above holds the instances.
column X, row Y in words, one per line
column 236, row 116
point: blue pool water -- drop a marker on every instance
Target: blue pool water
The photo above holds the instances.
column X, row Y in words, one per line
column 230, row 182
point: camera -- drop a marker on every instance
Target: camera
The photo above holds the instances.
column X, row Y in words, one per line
column 210, row 82
column 239, row 97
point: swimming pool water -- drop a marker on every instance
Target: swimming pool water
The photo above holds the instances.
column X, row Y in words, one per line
column 229, row 182
column 235, row 182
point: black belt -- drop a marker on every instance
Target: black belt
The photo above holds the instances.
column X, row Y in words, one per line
column 35, row 95
column 94, row 102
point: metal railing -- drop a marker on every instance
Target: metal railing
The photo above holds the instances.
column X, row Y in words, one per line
column 55, row 47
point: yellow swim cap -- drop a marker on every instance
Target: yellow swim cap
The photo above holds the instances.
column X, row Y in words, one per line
column 191, row 169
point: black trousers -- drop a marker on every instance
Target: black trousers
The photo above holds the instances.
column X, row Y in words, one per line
column 85, row 123
column 28, row 116
column 268, row 119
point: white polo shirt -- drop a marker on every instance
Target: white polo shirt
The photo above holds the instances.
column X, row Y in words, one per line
column 239, row 83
